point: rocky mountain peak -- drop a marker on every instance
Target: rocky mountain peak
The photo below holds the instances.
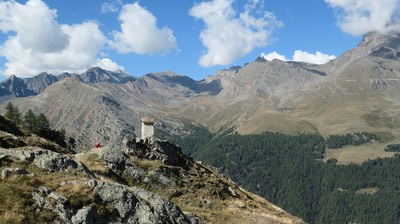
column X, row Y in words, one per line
column 96, row 74
column 16, row 86
column 382, row 45
column 372, row 39
column 260, row 59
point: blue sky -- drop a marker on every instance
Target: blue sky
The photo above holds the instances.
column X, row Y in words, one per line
column 193, row 38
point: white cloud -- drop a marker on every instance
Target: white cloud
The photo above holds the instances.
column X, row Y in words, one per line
column 301, row 56
column 37, row 43
column 113, row 6
column 363, row 16
column 273, row 55
column 316, row 58
column 140, row 34
column 108, row 64
column 33, row 23
column 228, row 36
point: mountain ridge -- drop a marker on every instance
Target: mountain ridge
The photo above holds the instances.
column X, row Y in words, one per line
column 288, row 97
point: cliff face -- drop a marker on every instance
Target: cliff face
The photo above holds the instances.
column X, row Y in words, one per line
column 148, row 181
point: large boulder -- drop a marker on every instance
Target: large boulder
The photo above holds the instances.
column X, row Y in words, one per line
column 45, row 159
column 136, row 205
column 155, row 149
column 53, row 161
column 124, row 204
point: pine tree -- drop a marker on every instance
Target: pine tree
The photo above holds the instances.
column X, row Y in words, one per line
column 12, row 113
column 30, row 121
column 42, row 123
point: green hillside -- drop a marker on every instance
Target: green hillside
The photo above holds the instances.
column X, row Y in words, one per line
column 288, row 171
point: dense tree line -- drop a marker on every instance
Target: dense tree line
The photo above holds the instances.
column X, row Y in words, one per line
column 393, row 148
column 338, row 141
column 287, row 171
column 37, row 124
column 193, row 140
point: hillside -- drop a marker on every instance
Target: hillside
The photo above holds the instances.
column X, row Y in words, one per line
column 288, row 171
column 145, row 182
column 338, row 97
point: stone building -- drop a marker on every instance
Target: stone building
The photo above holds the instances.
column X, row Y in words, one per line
column 147, row 127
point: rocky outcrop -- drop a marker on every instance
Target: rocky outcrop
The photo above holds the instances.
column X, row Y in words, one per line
column 45, row 159
column 123, row 205
column 119, row 163
column 140, row 206
column 53, row 162
column 109, row 203
column 155, row 149
column 7, row 172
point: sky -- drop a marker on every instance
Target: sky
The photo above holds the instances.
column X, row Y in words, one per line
column 193, row 38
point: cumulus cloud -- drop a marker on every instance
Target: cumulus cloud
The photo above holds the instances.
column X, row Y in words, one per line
column 273, row 55
column 37, row 43
column 113, row 6
column 108, row 64
column 301, row 56
column 316, row 58
column 140, row 34
column 363, row 16
column 228, row 35
column 33, row 23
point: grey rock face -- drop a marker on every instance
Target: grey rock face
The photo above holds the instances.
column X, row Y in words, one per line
column 137, row 205
column 117, row 197
column 48, row 160
column 126, row 205
column 12, row 171
column 135, row 172
column 54, row 162
column 111, row 155
column 161, row 179
column 84, row 215
column 25, row 155
column 154, row 149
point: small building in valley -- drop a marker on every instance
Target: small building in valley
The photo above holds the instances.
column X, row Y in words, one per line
column 147, row 127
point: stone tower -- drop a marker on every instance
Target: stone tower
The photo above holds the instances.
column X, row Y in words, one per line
column 147, row 127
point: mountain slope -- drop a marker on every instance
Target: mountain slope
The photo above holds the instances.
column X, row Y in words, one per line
column 289, row 97
column 106, row 185
column 86, row 112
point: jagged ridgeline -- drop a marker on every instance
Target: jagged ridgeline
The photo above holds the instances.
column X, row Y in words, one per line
column 357, row 92
column 143, row 181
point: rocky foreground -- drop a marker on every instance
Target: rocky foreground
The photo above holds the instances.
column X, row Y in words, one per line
column 148, row 181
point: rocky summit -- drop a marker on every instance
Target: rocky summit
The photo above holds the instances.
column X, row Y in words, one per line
column 142, row 181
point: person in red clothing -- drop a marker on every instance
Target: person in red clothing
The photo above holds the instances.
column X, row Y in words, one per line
column 97, row 145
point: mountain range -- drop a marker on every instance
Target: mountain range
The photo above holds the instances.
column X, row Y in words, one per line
column 358, row 91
